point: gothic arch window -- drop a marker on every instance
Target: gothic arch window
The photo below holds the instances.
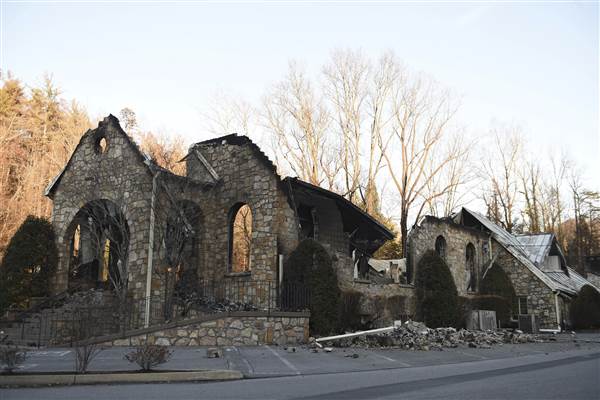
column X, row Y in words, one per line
column 240, row 238
column 440, row 246
column 470, row 267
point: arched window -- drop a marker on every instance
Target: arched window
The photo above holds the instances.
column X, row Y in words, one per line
column 440, row 246
column 101, row 145
column 240, row 238
column 470, row 266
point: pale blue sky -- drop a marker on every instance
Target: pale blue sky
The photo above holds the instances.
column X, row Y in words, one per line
column 535, row 64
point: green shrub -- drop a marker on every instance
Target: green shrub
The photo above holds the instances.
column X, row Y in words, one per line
column 437, row 297
column 350, row 317
column 29, row 262
column 310, row 264
column 585, row 309
column 496, row 283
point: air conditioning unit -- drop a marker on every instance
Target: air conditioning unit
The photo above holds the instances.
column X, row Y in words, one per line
column 527, row 323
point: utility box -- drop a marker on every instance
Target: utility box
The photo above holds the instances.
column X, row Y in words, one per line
column 528, row 323
column 482, row 320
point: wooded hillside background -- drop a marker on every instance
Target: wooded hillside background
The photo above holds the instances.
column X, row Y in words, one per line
column 384, row 137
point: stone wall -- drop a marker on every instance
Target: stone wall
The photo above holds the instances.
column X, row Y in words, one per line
column 249, row 330
column 422, row 238
column 245, row 177
column 389, row 302
column 540, row 299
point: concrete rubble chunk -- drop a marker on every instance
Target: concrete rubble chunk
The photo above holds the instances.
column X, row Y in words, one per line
column 214, row 352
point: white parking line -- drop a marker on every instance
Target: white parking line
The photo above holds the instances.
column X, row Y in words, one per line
column 248, row 365
column 286, row 362
column 391, row 359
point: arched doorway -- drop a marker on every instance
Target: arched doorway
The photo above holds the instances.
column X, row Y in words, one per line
column 98, row 244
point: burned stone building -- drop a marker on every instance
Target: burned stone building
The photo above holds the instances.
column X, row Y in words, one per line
column 119, row 216
column 470, row 244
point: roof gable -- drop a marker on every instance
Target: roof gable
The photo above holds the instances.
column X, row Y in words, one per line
column 110, row 123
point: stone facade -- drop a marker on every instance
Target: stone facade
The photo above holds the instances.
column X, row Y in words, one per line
column 91, row 175
column 221, row 175
column 541, row 300
column 229, row 331
column 457, row 238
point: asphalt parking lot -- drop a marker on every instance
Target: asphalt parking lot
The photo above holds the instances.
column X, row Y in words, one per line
column 270, row 361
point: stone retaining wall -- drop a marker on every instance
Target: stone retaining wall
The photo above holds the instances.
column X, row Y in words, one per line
column 228, row 331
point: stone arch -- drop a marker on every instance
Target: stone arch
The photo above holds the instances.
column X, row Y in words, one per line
column 240, row 226
column 440, row 246
column 470, row 255
column 96, row 246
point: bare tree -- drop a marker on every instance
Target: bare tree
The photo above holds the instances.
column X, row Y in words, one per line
column 453, row 181
column 109, row 234
column 530, row 177
column 500, row 167
column 298, row 121
column 422, row 113
column 228, row 114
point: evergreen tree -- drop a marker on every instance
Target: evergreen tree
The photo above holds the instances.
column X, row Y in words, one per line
column 437, row 297
column 30, row 260
column 310, row 264
column 585, row 309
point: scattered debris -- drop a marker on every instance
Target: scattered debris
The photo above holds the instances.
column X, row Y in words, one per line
column 328, row 349
column 291, row 349
column 416, row 336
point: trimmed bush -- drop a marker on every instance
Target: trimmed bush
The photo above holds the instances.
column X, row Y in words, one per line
column 585, row 309
column 437, row 297
column 498, row 295
column 310, row 264
column 29, row 262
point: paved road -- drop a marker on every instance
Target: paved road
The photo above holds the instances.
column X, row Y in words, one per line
column 573, row 374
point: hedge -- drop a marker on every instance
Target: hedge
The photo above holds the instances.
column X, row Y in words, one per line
column 310, row 264
column 437, row 297
column 496, row 284
column 585, row 309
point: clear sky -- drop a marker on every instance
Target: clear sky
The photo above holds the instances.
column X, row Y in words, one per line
column 533, row 63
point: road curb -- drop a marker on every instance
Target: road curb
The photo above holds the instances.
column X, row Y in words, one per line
column 139, row 377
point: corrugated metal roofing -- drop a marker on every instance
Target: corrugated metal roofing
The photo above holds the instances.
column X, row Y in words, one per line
column 537, row 247
column 573, row 280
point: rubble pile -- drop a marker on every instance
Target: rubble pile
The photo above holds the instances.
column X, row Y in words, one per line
column 416, row 336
